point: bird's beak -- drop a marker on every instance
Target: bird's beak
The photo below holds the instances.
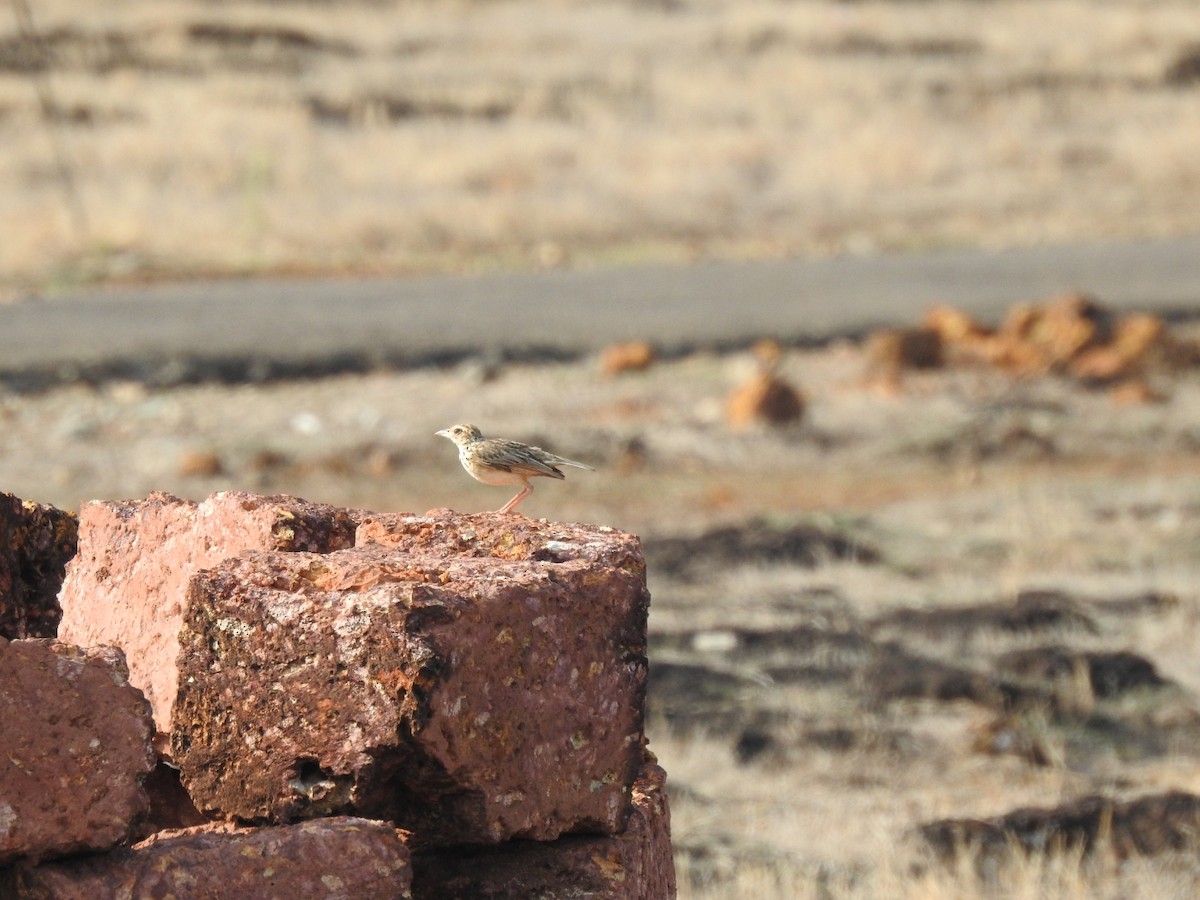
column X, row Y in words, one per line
column 445, row 432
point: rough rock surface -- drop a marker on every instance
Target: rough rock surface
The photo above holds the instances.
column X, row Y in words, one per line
column 35, row 543
column 443, row 532
column 127, row 583
column 634, row 865
column 75, row 745
column 333, row 859
column 468, row 699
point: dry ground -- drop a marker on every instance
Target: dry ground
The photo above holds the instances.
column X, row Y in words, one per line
column 800, row 763
column 303, row 136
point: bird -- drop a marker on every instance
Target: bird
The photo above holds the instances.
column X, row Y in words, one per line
column 498, row 461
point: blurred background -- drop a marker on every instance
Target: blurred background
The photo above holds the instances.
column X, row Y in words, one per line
column 914, row 572
column 212, row 138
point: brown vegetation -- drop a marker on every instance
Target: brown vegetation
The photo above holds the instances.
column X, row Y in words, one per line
column 206, row 138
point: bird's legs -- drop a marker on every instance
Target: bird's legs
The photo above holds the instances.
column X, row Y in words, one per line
column 521, row 495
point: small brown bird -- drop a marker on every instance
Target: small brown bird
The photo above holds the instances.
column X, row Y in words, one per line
column 497, row 461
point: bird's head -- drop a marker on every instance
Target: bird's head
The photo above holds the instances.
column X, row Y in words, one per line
column 461, row 434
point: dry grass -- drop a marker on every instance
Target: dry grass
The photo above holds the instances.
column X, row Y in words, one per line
column 839, row 824
column 839, row 828
column 284, row 137
column 1038, row 878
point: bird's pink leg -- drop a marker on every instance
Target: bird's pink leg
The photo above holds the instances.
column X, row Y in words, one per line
column 521, row 495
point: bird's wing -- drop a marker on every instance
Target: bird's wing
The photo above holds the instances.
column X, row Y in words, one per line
column 512, row 456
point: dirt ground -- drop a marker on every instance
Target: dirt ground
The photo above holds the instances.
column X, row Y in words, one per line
column 148, row 140
column 969, row 596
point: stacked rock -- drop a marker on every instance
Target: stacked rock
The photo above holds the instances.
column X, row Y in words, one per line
column 355, row 705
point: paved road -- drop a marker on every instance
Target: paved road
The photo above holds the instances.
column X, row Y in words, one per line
column 238, row 329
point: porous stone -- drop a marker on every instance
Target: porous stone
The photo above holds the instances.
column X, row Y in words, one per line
column 75, row 746
column 634, row 865
column 126, row 585
column 35, row 543
column 468, row 699
column 333, row 859
column 443, row 532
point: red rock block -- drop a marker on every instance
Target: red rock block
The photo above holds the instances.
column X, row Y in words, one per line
column 634, row 865
column 75, row 745
column 127, row 583
column 35, row 543
column 469, row 700
column 443, row 532
column 337, row 858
